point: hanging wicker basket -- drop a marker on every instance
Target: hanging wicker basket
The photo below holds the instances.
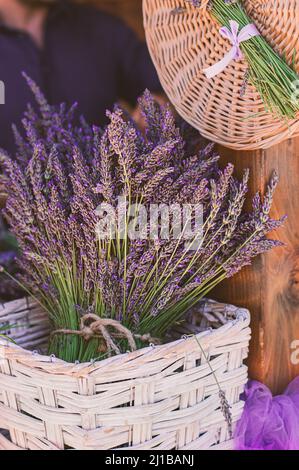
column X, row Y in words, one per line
column 162, row 397
column 183, row 44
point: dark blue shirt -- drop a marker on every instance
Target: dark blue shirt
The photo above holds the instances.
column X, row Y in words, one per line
column 88, row 57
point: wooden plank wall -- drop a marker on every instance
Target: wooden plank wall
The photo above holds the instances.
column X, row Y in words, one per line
column 270, row 288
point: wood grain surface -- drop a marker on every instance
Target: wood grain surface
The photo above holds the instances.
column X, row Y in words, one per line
column 270, row 287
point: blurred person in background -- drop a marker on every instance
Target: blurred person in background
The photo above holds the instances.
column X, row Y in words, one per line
column 75, row 53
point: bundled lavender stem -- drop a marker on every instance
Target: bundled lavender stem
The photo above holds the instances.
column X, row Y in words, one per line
column 64, row 174
column 273, row 78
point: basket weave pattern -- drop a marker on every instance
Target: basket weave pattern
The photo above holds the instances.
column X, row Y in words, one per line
column 183, row 44
column 162, row 397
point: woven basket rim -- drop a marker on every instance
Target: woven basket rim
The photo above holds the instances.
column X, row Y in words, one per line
column 47, row 363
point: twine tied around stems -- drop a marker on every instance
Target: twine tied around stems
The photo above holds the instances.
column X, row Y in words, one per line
column 92, row 326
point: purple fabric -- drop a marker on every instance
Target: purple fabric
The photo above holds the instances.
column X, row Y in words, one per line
column 269, row 423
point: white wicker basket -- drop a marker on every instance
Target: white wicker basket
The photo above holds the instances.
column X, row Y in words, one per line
column 162, row 397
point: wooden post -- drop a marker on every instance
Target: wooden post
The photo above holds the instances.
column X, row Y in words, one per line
column 270, row 287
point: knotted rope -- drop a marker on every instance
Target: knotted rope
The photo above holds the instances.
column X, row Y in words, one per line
column 92, row 326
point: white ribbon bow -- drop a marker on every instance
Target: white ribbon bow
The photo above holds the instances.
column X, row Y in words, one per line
column 248, row 32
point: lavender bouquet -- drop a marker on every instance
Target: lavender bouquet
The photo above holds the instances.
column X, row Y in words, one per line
column 64, row 177
column 274, row 79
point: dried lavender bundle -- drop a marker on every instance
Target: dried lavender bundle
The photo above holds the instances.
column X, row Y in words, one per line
column 60, row 179
column 268, row 72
